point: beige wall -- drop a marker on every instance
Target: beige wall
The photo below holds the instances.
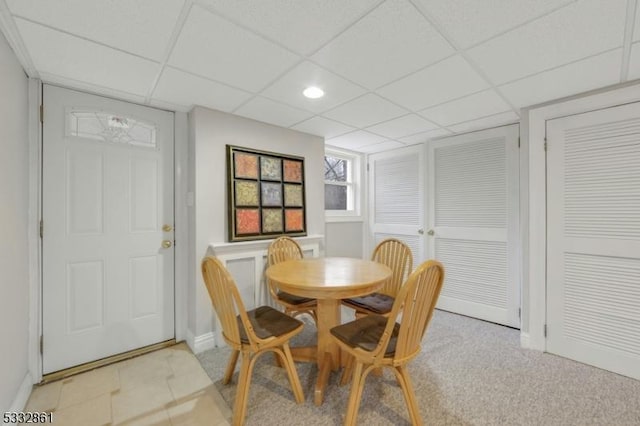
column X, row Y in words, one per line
column 210, row 132
column 344, row 239
column 14, row 190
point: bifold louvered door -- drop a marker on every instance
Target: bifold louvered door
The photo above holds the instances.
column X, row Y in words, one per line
column 473, row 222
column 593, row 238
column 396, row 198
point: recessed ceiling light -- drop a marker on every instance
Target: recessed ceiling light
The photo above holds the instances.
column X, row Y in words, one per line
column 313, row 92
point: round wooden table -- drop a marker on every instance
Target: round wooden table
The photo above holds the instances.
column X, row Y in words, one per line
column 328, row 280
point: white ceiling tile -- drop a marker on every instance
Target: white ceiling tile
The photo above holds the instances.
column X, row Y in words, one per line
column 288, row 88
column 634, row 62
column 365, row 111
column 425, row 136
column 301, row 25
column 323, row 127
column 354, row 140
column 90, row 88
column 468, row 108
column 271, row 112
column 181, row 88
column 446, row 80
column 574, row 32
column 403, row 126
column 140, row 27
column 469, row 22
column 58, row 53
column 392, row 41
column 486, row 122
column 382, row 146
column 215, row 48
column 591, row 73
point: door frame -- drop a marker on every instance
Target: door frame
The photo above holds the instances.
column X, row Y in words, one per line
column 180, row 171
column 533, row 194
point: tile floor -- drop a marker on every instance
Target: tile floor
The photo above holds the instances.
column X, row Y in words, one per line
column 166, row 387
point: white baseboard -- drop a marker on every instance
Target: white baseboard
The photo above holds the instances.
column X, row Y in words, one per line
column 524, row 340
column 201, row 343
column 23, row 394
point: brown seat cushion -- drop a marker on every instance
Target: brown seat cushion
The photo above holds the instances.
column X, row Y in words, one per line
column 376, row 302
column 365, row 333
column 268, row 322
column 292, row 299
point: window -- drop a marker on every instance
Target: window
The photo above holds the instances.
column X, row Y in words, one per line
column 341, row 177
column 107, row 127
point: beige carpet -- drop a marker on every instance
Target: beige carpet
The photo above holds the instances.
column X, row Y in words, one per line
column 470, row 372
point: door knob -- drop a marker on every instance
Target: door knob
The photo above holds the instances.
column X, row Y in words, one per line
column 431, row 232
column 166, row 244
column 167, row 228
column 421, row 231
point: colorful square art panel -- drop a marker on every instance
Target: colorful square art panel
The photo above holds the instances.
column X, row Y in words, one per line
column 265, row 194
column 245, row 165
column 247, row 221
column 293, row 220
column 293, row 195
column 272, row 220
column 270, row 168
column 247, row 193
column 271, row 194
column 292, row 171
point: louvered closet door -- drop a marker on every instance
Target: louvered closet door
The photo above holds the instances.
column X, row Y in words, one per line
column 396, row 197
column 473, row 223
column 593, row 238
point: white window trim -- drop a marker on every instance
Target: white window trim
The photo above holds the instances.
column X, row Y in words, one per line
column 356, row 186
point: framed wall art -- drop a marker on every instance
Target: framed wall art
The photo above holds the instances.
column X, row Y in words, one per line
column 266, row 195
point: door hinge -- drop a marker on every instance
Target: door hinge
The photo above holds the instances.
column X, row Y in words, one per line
column 41, row 344
column 367, row 166
column 42, row 113
column 41, row 229
column 518, row 142
column 545, row 330
column 545, row 144
column 519, row 313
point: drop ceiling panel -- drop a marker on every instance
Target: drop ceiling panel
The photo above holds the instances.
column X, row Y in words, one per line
column 185, row 89
column 486, row 122
column 424, row 136
column 323, row 127
column 468, row 108
column 382, row 146
column 446, row 80
column 57, row 53
column 271, row 112
column 403, row 126
column 355, row 140
column 365, row 111
column 390, row 42
column 634, row 62
column 217, row 49
column 301, row 25
column 469, row 22
column 139, row 27
column 587, row 74
column 288, row 88
column 574, row 32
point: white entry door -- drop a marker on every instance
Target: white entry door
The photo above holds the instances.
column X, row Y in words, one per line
column 396, row 198
column 473, row 222
column 593, row 238
column 107, row 193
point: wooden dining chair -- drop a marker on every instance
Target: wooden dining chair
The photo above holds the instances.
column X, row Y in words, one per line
column 250, row 333
column 375, row 341
column 280, row 250
column 397, row 256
